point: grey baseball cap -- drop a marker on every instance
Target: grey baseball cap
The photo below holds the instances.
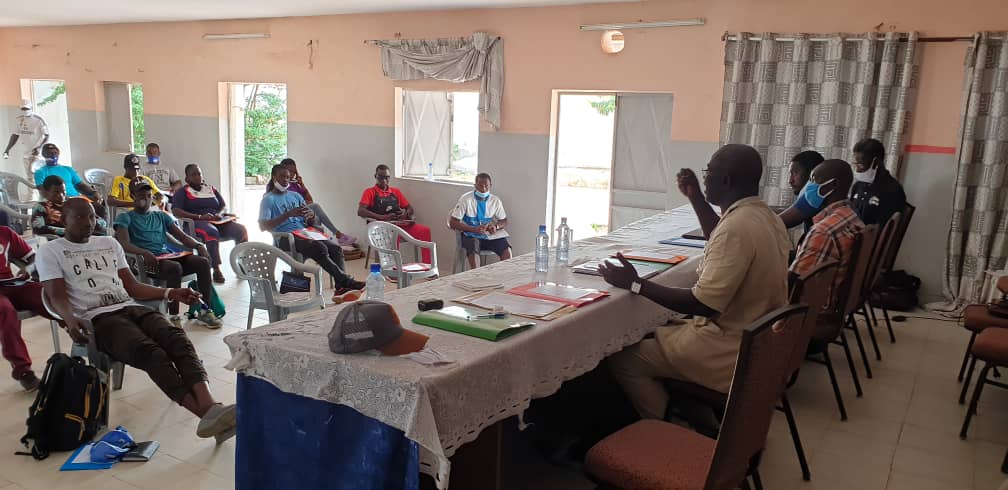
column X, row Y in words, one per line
column 365, row 325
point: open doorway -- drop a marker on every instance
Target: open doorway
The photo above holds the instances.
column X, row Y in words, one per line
column 256, row 140
column 613, row 159
column 49, row 101
column 584, row 162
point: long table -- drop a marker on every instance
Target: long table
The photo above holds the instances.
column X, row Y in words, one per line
column 440, row 408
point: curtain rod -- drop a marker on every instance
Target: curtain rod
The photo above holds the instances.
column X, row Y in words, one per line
column 938, row 39
column 376, row 41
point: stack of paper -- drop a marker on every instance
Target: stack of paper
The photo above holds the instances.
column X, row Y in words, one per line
column 477, row 284
column 514, row 304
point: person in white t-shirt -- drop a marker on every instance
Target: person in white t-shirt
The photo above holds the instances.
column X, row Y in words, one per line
column 31, row 132
column 88, row 280
column 166, row 178
column 480, row 217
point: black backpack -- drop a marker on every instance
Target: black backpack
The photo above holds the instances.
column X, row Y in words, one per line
column 70, row 408
column 897, row 291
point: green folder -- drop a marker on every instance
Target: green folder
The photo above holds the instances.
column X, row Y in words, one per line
column 455, row 319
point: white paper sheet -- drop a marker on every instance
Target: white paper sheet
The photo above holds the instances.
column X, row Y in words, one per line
column 565, row 292
column 517, row 305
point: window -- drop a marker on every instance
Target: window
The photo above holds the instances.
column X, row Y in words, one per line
column 124, row 123
column 440, row 133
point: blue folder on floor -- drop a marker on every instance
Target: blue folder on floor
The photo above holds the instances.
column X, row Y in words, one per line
column 81, row 460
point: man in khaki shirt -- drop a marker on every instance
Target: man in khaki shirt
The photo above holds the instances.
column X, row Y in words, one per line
column 742, row 276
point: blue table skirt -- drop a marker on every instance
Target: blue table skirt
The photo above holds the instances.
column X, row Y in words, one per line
column 288, row 441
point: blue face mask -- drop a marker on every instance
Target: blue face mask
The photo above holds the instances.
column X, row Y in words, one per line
column 481, row 195
column 51, row 160
column 813, row 194
column 153, row 160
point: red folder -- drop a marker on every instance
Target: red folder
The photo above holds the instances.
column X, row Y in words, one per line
column 526, row 290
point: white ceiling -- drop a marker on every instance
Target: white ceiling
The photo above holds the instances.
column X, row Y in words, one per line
column 76, row 12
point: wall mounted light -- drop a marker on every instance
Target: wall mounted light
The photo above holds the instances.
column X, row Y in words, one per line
column 612, row 42
column 252, row 35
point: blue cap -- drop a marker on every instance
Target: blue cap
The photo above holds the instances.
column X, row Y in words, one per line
column 375, row 267
column 542, row 228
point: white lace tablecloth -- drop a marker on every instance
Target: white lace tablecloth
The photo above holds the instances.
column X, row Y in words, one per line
column 444, row 407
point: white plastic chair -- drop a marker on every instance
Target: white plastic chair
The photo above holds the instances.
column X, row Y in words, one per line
column 110, row 370
column 101, row 180
column 384, row 237
column 20, row 222
column 256, row 263
column 9, row 190
column 461, row 263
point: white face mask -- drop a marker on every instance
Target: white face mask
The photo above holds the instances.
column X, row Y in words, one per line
column 868, row 176
column 281, row 188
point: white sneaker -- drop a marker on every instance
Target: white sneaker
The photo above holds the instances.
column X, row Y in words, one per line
column 217, row 420
column 209, row 319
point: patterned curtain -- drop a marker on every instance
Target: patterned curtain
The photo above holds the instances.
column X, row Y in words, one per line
column 978, row 236
column 816, row 92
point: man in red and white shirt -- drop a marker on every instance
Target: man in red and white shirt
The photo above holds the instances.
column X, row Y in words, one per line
column 386, row 203
column 836, row 226
column 17, row 293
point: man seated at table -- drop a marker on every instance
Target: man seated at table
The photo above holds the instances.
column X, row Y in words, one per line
column 876, row 194
column 386, row 203
column 120, row 195
column 164, row 177
column 47, row 215
column 284, row 211
column 75, row 186
column 15, row 295
column 836, row 226
column 481, row 219
column 88, row 280
column 742, row 276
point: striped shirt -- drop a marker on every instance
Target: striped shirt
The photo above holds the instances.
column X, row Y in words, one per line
column 832, row 237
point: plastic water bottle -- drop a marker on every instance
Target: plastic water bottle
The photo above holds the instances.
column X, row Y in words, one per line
column 430, row 171
column 375, row 285
column 563, row 242
column 542, row 250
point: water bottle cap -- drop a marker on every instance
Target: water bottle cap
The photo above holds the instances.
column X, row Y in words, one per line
column 563, row 219
column 542, row 228
column 375, row 267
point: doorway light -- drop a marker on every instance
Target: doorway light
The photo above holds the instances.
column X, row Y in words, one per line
column 251, row 35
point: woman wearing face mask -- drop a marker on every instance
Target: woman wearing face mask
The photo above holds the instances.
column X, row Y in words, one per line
column 876, row 194
column 203, row 203
column 480, row 217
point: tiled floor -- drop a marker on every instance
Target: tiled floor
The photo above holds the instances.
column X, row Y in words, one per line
column 902, row 435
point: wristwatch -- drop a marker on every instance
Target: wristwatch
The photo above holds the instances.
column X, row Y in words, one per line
column 635, row 287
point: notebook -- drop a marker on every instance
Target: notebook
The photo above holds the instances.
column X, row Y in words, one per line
column 644, row 269
column 455, row 319
column 685, row 242
column 653, row 257
column 143, row 452
column 696, row 234
column 568, row 295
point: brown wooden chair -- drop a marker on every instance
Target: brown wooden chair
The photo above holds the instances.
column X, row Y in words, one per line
column 873, row 276
column 991, row 346
column 653, row 454
column 860, row 269
column 895, row 243
column 976, row 319
column 829, row 328
column 812, row 289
